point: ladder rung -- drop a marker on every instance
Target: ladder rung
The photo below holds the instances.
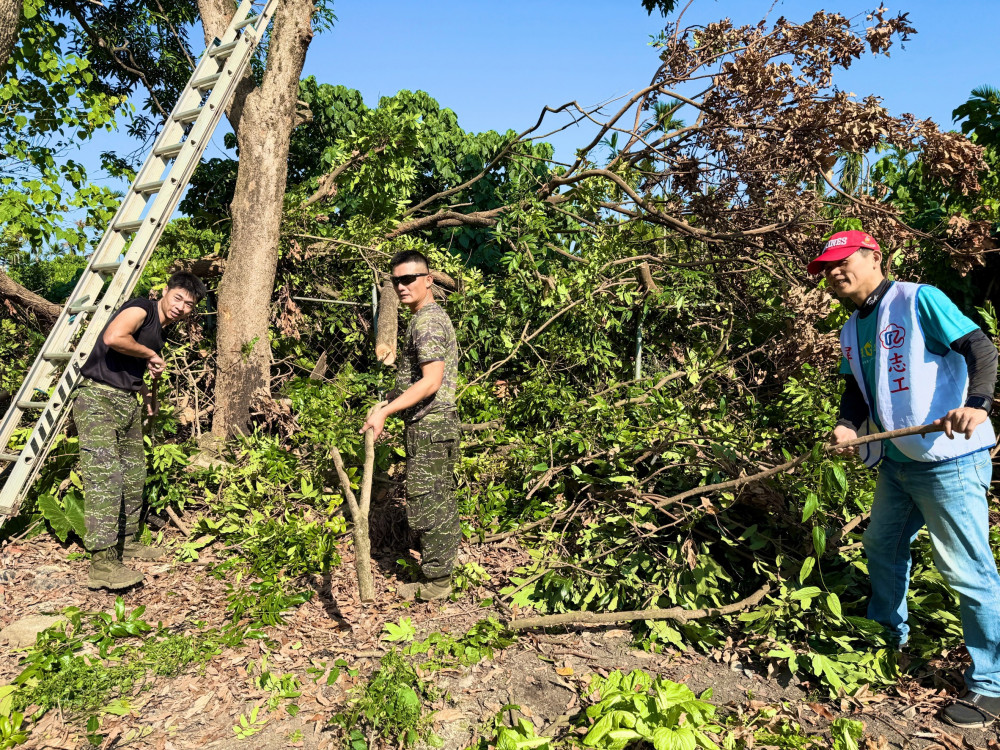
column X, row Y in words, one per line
column 205, row 83
column 148, row 188
column 9, row 457
column 169, row 151
column 223, row 50
column 106, row 267
column 22, row 405
column 129, row 226
column 58, row 356
column 248, row 21
column 188, row 115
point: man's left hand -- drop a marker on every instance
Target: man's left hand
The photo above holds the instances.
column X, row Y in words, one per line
column 964, row 420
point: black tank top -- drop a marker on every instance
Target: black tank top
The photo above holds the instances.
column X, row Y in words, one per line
column 123, row 371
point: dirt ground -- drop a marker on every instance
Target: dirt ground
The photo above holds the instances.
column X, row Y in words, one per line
column 543, row 673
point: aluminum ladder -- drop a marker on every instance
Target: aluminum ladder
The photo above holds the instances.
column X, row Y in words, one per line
column 124, row 251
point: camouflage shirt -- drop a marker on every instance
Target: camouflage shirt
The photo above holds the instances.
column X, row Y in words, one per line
column 430, row 337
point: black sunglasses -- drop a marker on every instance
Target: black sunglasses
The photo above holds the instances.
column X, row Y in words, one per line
column 406, row 279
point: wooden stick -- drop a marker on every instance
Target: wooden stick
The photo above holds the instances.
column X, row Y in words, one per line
column 359, row 514
column 677, row 614
column 795, row 462
column 185, row 530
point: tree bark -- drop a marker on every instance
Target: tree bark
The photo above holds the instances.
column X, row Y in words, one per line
column 10, row 24
column 387, row 336
column 263, row 119
column 47, row 312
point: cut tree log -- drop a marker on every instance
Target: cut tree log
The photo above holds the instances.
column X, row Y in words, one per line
column 444, row 281
column 677, row 614
column 46, row 312
column 208, row 267
column 388, row 324
column 359, row 513
column 645, row 277
column 319, row 371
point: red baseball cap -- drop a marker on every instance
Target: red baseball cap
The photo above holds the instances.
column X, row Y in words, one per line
column 842, row 245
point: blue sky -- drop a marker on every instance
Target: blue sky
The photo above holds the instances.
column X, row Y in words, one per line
column 496, row 64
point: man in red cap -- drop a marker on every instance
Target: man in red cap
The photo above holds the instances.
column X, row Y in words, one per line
column 910, row 357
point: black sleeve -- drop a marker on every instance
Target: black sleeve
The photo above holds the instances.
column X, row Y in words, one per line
column 853, row 409
column 981, row 359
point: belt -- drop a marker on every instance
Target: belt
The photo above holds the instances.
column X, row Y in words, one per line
column 88, row 383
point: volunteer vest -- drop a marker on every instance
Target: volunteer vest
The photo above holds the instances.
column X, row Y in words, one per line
column 914, row 386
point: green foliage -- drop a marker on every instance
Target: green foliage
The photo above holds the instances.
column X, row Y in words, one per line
column 444, row 651
column 52, row 104
column 403, row 632
column 263, row 602
column 636, row 708
column 390, row 705
column 249, row 724
column 58, row 672
column 520, row 736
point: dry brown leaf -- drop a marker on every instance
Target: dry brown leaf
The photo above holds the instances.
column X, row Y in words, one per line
column 822, row 711
column 199, row 705
column 564, row 671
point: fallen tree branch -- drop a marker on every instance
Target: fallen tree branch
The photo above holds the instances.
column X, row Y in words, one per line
column 445, row 218
column 493, row 424
column 677, row 614
column 184, row 528
column 327, row 187
column 799, row 460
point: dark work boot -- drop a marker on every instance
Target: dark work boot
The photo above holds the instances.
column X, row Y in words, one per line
column 107, row 571
column 972, row 711
column 133, row 550
column 426, row 590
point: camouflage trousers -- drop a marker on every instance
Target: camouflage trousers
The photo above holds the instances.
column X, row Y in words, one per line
column 112, row 462
column 431, row 505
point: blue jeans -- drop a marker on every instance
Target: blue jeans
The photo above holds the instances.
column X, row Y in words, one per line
column 950, row 498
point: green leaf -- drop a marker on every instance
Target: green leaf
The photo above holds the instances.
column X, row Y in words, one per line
column 833, row 603
column 809, row 592
column 812, row 503
column 63, row 520
column 819, row 540
column 807, row 568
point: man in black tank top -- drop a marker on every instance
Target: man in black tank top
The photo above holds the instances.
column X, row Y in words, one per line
column 109, row 421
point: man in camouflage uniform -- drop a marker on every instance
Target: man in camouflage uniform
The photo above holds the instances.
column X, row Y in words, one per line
column 109, row 422
column 425, row 397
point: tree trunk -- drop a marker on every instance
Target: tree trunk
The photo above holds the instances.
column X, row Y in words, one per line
column 10, row 24
column 263, row 121
column 387, row 336
column 11, row 291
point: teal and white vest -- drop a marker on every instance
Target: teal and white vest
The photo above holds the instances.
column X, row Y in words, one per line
column 914, row 386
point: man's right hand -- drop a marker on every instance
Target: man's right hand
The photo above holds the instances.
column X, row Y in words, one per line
column 843, row 434
column 156, row 365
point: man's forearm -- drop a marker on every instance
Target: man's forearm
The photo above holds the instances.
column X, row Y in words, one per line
column 981, row 359
column 412, row 396
column 853, row 408
column 128, row 345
